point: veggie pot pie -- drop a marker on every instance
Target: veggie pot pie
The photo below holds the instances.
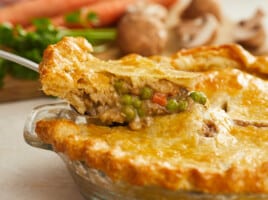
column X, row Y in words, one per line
column 195, row 121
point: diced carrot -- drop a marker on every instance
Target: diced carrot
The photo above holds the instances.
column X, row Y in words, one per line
column 160, row 99
column 23, row 12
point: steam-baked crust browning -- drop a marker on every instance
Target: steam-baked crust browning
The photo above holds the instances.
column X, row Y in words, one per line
column 221, row 147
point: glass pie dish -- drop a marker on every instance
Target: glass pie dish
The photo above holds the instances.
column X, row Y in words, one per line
column 96, row 185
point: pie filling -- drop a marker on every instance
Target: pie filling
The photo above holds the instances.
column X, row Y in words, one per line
column 136, row 106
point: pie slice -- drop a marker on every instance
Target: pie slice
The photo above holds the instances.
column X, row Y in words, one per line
column 127, row 91
column 203, row 123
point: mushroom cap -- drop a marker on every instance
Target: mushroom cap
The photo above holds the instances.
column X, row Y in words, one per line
column 152, row 10
column 142, row 34
column 250, row 33
column 197, row 32
column 198, row 8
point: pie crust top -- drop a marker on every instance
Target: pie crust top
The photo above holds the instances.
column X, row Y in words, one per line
column 172, row 152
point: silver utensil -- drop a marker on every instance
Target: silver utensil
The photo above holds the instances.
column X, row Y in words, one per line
column 19, row 60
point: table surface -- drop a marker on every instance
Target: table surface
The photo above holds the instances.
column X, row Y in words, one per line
column 28, row 173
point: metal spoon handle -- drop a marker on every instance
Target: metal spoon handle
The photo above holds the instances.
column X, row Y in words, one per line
column 19, row 60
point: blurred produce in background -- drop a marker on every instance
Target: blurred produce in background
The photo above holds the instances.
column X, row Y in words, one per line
column 38, row 23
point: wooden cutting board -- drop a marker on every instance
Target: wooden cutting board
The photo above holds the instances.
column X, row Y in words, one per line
column 18, row 89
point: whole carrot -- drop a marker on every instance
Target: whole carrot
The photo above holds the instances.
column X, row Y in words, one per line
column 105, row 11
column 166, row 3
column 24, row 11
column 6, row 2
column 109, row 11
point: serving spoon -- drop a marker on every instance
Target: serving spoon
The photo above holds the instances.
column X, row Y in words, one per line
column 19, row 60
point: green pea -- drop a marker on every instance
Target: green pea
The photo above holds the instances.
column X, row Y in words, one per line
column 126, row 99
column 199, row 97
column 172, row 105
column 121, row 87
column 141, row 112
column 136, row 102
column 176, row 106
column 146, row 93
column 129, row 113
column 182, row 105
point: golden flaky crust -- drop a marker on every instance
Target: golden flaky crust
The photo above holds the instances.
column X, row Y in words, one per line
column 172, row 152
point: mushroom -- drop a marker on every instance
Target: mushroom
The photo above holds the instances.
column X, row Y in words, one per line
column 142, row 30
column 198, row 8
column 152, row 10
column 250, row 33
column 197, row 32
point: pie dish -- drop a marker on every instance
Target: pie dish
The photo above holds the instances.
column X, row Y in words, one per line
column 94, row 184
column 217, row 145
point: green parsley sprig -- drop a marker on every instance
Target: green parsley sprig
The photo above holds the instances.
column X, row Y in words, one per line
column 75, row 17
column 31, row 44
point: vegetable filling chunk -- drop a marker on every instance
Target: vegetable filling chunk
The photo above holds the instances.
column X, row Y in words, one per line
column 136, row 106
